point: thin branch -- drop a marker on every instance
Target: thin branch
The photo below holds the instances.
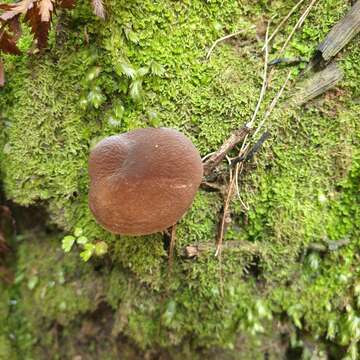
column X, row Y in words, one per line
column 264, row 84
column 245, row 145
column 225, row 217
column 234, row 179
column 283, row 21
column 297, row 26
column 222, row 39
column 207, row 156
column 254, row 149
column 215, row 158
column 273, row 104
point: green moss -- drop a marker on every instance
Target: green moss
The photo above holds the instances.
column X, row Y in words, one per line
column 301, row 190
column 59, row 291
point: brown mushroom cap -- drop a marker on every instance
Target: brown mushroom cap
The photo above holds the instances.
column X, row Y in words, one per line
column 143, row 181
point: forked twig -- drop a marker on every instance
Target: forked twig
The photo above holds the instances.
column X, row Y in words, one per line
column 283, row 21
column 215, row 158
column 264, row 83
column 297, row 26
column 225, row 219
column 273, row 104
column 222, row 39
column 226, row 212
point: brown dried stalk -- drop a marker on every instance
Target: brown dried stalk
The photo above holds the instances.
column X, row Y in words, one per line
column 235, row 138
column 172, row 246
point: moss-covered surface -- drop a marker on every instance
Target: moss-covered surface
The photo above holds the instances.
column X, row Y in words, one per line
column 292, row 288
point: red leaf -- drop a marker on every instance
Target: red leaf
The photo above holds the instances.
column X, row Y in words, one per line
column 16, row 9
column 67, row 4
column 39, row 28
column 15, row 27
column 8, row 43
column 5, row 6
column 2, row 74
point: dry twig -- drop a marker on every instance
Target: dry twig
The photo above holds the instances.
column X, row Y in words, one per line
column 225, row 219
column 264, row 83
column 297, row 25
column 273, row 104
column 222, row 39
column 235, row 138
column 283, row 21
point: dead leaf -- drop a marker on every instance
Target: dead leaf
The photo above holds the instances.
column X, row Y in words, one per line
column 16, row 9
column 39, row 28
column 8, row 43
column 15, row 27
column 38, row 14
column 45, row 9
column 98, row 7
column 67, row 4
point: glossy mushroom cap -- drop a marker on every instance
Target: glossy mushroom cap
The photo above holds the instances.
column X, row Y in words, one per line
column 143, row 181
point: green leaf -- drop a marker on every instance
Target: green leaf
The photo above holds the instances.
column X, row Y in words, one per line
column 101, row 248
column 82, row 240
column 78, row 232
column 169, row 313
column 83, row 103
column 88, row 252
column 62, row 306
column 93, row 73
column 133, row 37
column 157, row 69
column 142, row 72
column 67, row 243
column 123, row 86
column 95, row 97
column 112, row 121
column 118, row 110
column 153, row 118
column 127, row 70
column 136, row 90
column 33, row 281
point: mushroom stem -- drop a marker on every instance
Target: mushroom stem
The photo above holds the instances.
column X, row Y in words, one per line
column 172, row 246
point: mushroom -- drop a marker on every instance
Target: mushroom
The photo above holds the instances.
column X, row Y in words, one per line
column 143, row 181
